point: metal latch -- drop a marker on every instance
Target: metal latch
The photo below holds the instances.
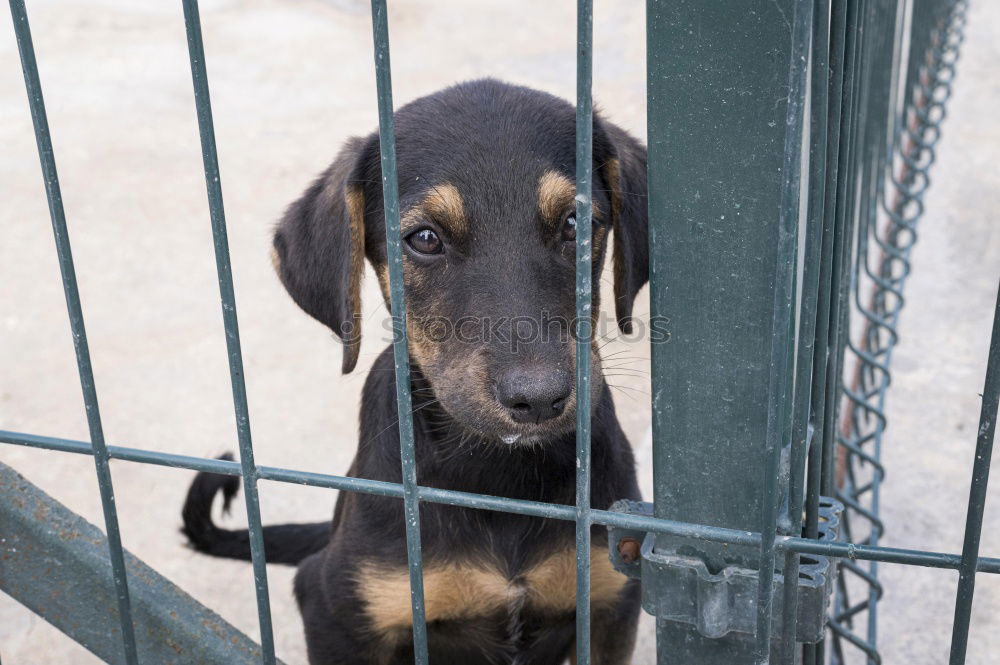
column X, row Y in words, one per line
column 681, row 588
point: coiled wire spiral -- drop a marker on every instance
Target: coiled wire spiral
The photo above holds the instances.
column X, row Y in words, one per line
column 879, row 271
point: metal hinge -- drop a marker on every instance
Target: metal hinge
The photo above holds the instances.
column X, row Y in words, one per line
column 681, row 588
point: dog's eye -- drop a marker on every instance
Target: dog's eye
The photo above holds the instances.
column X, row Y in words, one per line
column 425, row 241
column 569, row 229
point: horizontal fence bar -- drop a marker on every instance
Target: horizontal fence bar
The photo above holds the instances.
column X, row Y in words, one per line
column 927, row 559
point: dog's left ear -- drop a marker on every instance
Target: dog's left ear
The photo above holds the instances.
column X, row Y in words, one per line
column 621, row 161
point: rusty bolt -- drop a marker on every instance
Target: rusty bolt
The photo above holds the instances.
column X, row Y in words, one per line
column 628, row 548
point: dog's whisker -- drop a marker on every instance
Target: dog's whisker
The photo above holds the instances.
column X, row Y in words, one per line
column 642, row 379
column 633, row 364
column 621, row 387
column 395, row 423
column 626, row 364
column 618, row 355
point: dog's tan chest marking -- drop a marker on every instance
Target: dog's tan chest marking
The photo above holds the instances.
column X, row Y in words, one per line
column 467, row 590
column 552, row 583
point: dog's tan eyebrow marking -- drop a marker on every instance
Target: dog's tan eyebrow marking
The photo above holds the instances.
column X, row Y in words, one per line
column 442, row 203
column 555, row 196
column 445, row 203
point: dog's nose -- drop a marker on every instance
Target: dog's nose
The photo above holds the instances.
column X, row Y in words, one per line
column 534, row 395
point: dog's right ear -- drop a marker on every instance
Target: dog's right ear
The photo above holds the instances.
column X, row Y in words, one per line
column 622, row 165
column 319, row 247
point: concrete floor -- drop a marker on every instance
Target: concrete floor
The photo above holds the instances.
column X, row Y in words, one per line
column 290, row 82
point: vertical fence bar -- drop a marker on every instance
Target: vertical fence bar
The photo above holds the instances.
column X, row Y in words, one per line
column 835, row 14
column 394, row 249
column 816, row 238
column 977, row 498
column 53, row 193
column 584, row 320
column 823, row 382
column 826, row 106
column 824, row 377
column 210, row 158
column 783, row 324
column 846, row 176
column 844, row 215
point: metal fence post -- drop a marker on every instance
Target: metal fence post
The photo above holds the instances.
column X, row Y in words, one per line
column 722, row 235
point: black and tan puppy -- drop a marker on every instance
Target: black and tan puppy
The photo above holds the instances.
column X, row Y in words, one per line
column 486, row 182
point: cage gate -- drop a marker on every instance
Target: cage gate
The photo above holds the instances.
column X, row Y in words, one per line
column 790, row 144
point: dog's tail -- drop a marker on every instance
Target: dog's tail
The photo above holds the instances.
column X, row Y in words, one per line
column 283, row 543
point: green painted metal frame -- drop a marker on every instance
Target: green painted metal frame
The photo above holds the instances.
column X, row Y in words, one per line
column 804, row 363
column 56, row 564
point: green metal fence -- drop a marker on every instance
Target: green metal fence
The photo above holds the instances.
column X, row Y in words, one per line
column 892, row 180
column 837, row 100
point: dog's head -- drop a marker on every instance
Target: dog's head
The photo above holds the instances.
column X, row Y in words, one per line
column 487, row 204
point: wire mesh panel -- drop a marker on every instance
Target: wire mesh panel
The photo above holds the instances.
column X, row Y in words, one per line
column 822, row 220
column 901, row 103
